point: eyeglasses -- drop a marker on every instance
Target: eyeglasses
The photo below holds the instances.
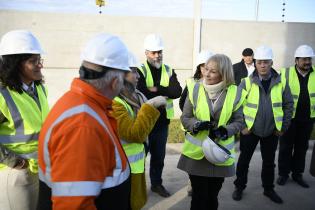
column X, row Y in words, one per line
column 37, row 61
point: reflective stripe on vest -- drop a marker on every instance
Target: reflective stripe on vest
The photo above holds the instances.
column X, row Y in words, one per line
column 33, row 155
column 193, row 143
column 135, row 151
column 250, row 108
column 69, row 188
column 16, row 116
column 136, row 157
column 198, row 143
column 24, row 119
column 83, row 188
column 166, row 73
column 291, row 76
column 18, row 138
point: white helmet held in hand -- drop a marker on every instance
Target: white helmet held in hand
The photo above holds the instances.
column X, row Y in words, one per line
column 304, row 51
column 19, row 42
column 153, row 42
column 106, row 50
column 203, row 57
column 157, row 101
column 214, row 152
column 263, row 53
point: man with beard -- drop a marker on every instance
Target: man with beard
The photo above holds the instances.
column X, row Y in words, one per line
column 294, row 143
column 158, row 79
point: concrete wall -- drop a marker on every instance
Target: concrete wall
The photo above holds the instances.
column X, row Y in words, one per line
column 231, row 37
column 63, row 36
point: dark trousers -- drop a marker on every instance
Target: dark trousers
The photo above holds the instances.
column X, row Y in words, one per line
column 268, row 146
column 157, row 147
column 205, row 192
column 293, row 148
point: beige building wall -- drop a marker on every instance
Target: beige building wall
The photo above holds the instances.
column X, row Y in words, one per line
column 231, row 37
column 64, row 35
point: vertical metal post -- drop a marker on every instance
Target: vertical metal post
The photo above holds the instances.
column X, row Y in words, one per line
column 257, row 10
column 197, row 31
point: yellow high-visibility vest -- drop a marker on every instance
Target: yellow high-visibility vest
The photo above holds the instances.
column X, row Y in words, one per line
column 165, row 79
column 24, row 120
column 290, row 75
column 250, row 108
column 135, row 151
column 197, row 95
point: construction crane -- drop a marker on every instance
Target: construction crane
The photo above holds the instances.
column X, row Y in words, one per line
column 100, row 3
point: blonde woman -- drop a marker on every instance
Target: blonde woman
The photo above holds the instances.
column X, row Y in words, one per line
column 212, row 108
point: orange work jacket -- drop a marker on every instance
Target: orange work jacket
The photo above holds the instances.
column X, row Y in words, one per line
column 79, row 150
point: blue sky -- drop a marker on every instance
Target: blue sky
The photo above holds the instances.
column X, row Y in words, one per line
column 269, row 10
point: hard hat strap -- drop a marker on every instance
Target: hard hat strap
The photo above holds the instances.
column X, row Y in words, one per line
column 86, row 73
column 223, row 148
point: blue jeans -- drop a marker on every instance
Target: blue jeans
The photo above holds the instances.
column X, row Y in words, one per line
column 157, row 147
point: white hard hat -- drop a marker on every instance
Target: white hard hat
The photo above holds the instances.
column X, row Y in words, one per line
column 133, row 61
column 203, row 57
column 263, row 53
column 106, row 50
column 214, row 152
column 153, row 42
column 19, row 42
column 304, row 51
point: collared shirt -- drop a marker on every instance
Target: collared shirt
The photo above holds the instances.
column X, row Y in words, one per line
column 265, row 82
column 250, row 68
column 269, row 76
column 26, row 87
column 31, row 91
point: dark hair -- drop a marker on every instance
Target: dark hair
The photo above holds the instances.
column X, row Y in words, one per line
column 10, row 67
column 247, row 52
column 198, row 75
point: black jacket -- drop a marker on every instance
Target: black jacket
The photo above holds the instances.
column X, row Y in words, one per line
column 173, row 91
column 182, row 98
column 240, row 71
